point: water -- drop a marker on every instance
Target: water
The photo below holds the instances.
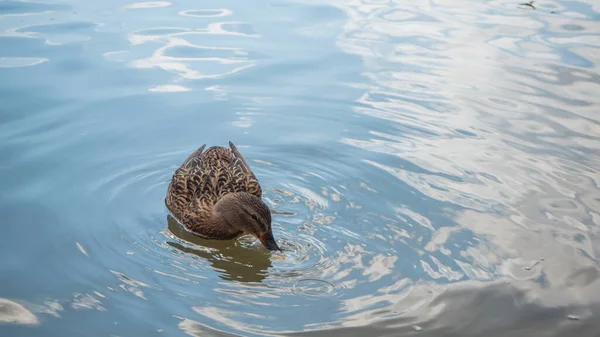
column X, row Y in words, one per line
column 433, row 167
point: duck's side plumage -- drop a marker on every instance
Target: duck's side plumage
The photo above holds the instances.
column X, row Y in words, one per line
column 204, row 178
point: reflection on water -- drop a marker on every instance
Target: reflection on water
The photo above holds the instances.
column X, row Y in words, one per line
column 431, row 167
column 11, row 312
column 235, row 262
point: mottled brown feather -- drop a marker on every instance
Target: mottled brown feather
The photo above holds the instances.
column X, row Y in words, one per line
column 203, row 178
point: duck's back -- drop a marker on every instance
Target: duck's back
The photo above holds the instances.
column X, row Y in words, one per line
column 205, row 177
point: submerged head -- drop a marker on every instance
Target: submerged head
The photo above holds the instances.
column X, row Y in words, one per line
column 249, row 214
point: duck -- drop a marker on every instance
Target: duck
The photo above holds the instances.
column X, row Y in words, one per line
column 215, row 195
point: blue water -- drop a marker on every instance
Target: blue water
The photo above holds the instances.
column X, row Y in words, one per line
column 433, row 167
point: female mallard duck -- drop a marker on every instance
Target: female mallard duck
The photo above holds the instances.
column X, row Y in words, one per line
column 215, row 195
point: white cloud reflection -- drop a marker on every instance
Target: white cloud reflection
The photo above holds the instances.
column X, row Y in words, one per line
column 485, row 113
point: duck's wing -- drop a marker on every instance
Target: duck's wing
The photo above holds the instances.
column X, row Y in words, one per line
column 207, row 175
column 243, row 165
column 215, row 173
column 185, row 182
column 242, row 175
column 196, row 154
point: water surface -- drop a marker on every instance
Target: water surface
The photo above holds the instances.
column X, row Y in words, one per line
column 432, row 166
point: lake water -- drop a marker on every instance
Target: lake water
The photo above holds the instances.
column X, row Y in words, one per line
column 433, row 167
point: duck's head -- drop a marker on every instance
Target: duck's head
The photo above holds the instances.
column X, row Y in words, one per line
column 249, row 214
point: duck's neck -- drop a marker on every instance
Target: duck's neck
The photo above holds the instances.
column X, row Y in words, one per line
column 220, row 228
column 210, row 227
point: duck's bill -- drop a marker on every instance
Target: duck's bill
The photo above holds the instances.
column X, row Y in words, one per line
column 268, row 241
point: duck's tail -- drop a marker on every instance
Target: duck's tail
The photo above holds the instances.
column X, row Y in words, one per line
column 238, row 155
column 196, row 153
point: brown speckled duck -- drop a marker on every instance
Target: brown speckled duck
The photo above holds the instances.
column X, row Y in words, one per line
column 215, row 195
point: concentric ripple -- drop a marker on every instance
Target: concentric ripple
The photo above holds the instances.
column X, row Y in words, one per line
column 431, row 167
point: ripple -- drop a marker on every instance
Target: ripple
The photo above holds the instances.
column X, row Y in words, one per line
column 186, row 60
column 169, row 88
column 58, row 27
column 12, row 312
column 148, row 4
column 424, row 163
column 16, row 8
column 160, row 32
column 206, row 13
column 55, row 33
column 16, row 62
column 313, row 287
